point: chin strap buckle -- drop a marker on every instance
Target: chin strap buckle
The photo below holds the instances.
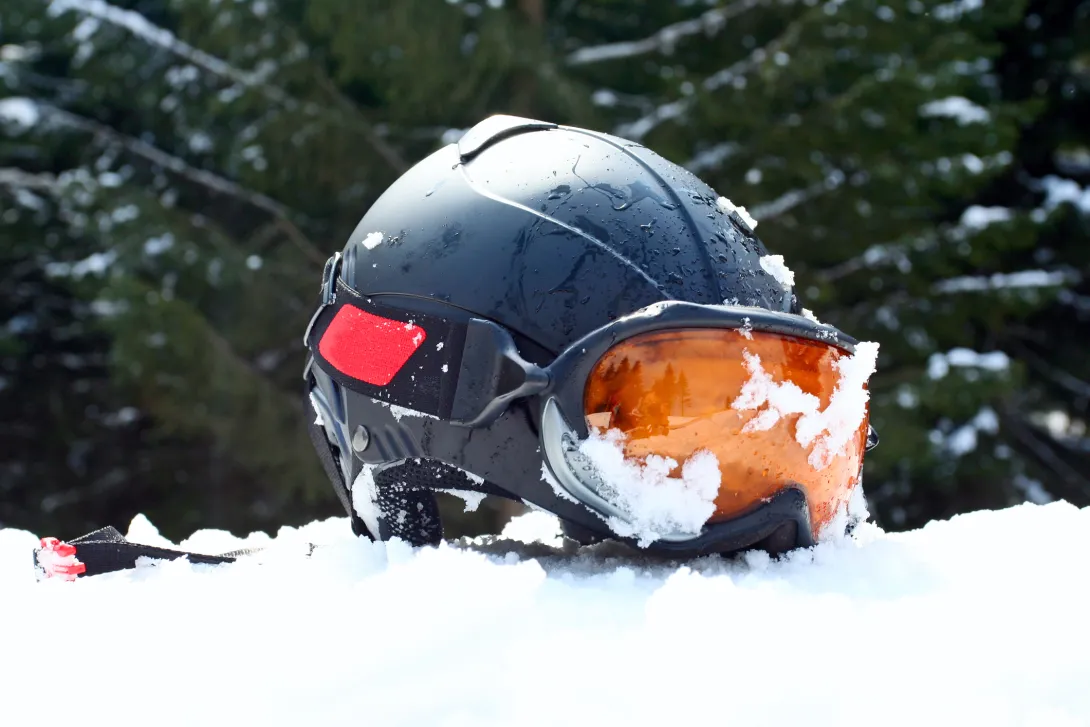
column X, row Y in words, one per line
column 57, row 559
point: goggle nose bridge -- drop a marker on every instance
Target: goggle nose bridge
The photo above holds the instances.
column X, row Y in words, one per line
column 492, row 375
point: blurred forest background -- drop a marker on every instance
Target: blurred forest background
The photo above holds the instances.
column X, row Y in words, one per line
column 173, row 174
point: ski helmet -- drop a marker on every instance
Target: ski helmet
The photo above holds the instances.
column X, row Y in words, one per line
column 565, row 318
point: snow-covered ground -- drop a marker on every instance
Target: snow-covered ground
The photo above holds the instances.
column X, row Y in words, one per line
column 982, row 620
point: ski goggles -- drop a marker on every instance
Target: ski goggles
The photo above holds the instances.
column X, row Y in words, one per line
column 735, row 408
column 773, row 401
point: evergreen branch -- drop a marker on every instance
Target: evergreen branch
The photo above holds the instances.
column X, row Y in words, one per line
column 1000, row 281
column 142, row 28
column 200, row 177
column 228, row 352
column 1030, row 437
column 884, row 253
column 1060, row 377
column 644, row 125
column 387, row 152
column 18, row 179
column 787, row 201
column 709, row 22
column 712, row 157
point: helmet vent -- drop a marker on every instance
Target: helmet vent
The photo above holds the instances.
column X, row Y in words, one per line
column 493, row 129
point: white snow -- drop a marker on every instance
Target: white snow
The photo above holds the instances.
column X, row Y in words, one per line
column 365, row 498
column 958, row 108
column 726, row 207
column 747, row 328
column 777, row 268
column 938, row 365
column 401, row 411
column 1002, row 281
column 158, row 245
column 664, row 40
column 827, row 431
column 642, row 126
column 19, row 111
column 558, row 489
column 372, row 240
column 976, row 620
column 963, row 440
column 94, row 264
column 712, row 157
column 655, row 505
column 536, row 526
column 139, row 26
column 787, row 201
column 976, row 217
column 604, row 97
column 953, row 11
column 1059, row 190
column 472, row 499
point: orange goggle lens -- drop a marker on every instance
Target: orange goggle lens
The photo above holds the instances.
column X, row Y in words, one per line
column 727, row 391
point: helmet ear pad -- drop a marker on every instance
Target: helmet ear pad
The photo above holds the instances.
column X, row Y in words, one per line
column 405, row 505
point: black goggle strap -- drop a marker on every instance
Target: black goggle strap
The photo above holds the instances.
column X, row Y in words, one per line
column 458, row 368
column 106, row 550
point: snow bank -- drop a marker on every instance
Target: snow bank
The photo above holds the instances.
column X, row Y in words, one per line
column 979, row 620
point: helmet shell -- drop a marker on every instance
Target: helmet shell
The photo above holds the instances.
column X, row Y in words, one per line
column 554, row 231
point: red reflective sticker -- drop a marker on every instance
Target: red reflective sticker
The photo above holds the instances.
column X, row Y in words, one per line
column 369, row 347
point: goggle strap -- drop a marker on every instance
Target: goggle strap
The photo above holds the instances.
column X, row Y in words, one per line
column 492, row 375
column 328, row 459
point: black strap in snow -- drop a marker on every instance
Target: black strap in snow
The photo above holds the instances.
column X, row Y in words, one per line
column 106, row 550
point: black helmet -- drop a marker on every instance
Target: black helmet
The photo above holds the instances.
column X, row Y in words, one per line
column 476, row 302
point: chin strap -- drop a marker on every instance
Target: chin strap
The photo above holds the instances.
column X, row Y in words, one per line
column 106, row 550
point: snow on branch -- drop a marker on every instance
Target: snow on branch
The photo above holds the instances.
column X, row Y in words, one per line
column 712, row 157
column 959, row 108
column 877, row 255
column 19, row 179
column 663, row 40
column 1001, row 281
column 644, row 125
column 1060, row 191
column 180, row 167
column 166, row 160
column 22, row 113
column 786, row 201
column 144, row 29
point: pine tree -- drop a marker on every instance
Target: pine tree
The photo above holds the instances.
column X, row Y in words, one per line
column 173, row 174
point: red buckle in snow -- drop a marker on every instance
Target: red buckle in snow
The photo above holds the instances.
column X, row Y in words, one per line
column 57, row 559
